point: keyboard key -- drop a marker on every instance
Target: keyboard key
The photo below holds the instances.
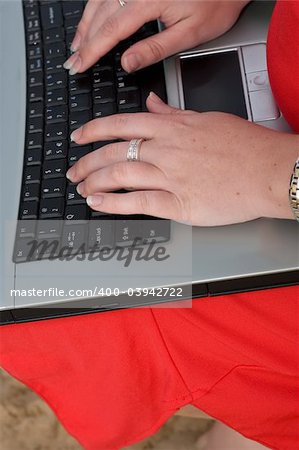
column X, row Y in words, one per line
column 33, row 157
column 72, row 196
column 76, row 212
column 53, row 35
column 153, row 229
column 35, row 65
column 51, row 208
column 126, row 81
column 31, row 192
column 104, row 109
column 33, row 24
column 22, row 250
column 51, row 15
column 126, row 231
column 36, row 110
column 26, row 228
column 75, row 153
column 53, row 188
column 55, row 49
column 36, row 79
column 56, row 114
column 32, row 174
column 103, row 77
column 31, row 11
column 74, row 237
column 34, row 140
column 104, row 94
column 53, row 65
column 56, row 97
column 34, row 37
column 72, row 8
column 35, row 124
column 78, row 118
column 80, row 102
column 56, row 131
column 35, row 51
column 55, row 150
column 56, row 80
column 128, row 98
column 101, row 233
column 29, row 210
column 36, row 94
column 100, row 144
column 54, row 169
column 71, row 24
column 49, row 229
column 80, row 84
column 106, row 62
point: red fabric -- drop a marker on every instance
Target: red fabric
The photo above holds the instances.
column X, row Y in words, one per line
column 283, row 59
column 113, row 378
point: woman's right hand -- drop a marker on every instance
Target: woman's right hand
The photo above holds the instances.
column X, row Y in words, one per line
column 187, row 23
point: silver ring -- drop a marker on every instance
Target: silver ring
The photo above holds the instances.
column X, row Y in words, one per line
column 122, row 3
column 133, row 149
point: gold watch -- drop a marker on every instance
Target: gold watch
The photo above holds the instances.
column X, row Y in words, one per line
column 294, row 190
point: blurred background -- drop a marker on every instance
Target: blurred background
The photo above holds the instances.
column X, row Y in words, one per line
column 27, row 423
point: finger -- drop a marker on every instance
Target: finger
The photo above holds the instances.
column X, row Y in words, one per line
column 107, row 155
column 153, row 203
column 156, row 105
column 87, row 18
column 116, row 28
column 157, row 47
column 122, row 175
column 102, row 13
column 118, row 126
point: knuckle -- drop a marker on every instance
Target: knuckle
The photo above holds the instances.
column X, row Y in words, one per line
column 109, row 27
column 112, row 152
column 156, row 49
column 119, row 172
column 143, row 202
column 120, row 121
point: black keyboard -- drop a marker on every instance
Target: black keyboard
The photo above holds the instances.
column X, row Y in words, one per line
column 58, row 103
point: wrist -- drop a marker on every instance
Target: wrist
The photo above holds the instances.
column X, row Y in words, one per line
column 277, row 180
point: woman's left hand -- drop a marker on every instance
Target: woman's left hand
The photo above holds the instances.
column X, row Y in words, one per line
column 200, row 168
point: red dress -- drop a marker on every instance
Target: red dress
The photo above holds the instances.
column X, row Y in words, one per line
column 114, row 378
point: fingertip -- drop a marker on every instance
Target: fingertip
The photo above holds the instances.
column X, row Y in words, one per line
column 131, row 62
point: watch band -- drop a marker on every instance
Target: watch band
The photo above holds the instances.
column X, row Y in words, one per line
column 294, row 190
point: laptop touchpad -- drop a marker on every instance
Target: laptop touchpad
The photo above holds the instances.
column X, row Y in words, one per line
column 213, row 82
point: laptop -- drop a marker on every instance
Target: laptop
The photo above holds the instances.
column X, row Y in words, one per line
column 125, row 261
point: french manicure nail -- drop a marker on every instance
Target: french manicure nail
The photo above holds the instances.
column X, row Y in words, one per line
column 71, row 61
column 76, row 66
column 76, row 134
column 154, row 97
column 80, row 188
column 69, row 174
column 94, row 200
column 76, row 42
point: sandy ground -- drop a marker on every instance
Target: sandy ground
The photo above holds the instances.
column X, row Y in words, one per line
column 27, row 423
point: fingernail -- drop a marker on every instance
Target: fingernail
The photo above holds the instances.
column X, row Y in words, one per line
column 80, row 189
column 131, row 62
column 69, row 175
column 76, row 66
column 154, row 97
column 75, row 136
column 71, row 61
column 94, row 200
column 76, row 42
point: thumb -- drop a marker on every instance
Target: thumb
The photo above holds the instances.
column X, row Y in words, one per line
column 156, row 105
column 156, row 48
